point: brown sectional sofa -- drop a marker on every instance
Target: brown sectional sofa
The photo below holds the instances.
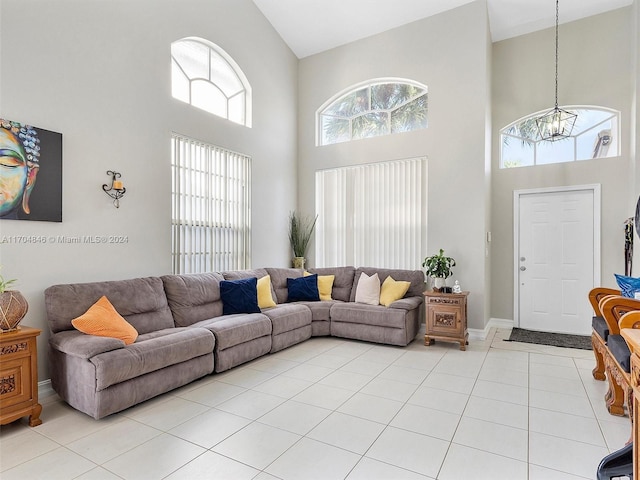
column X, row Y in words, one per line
column 183, row 334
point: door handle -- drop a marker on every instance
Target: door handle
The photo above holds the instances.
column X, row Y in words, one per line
column 523, row 268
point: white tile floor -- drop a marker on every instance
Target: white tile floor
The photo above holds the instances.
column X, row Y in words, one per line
column 331, row 408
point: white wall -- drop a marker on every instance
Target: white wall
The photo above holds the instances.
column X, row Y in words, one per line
column 99, row 72
column 449, row 54
column 595, row 68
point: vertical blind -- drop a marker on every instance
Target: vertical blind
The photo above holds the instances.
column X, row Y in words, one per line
column 372, row 215
column 211, row 207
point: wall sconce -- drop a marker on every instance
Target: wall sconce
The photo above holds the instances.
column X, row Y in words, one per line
column 116, row 190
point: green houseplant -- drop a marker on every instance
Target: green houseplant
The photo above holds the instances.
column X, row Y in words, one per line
column 439, row 267
column 5, row 284
column 300, row 230
column 13, row 306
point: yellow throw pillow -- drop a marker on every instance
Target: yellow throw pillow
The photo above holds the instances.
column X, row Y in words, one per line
column 102, row 320
column 325, row 286
column 392, row 290
column 265, row 299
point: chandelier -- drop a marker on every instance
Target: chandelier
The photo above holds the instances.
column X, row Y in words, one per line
column 556, row 124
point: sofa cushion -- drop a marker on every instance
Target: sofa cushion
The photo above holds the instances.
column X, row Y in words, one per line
column 279, row 281
column 368, row 315
column 600, row 326
column 232, row 330
column 193, row 297
column 342, row 283
column 620, row 351
column 416, row 277
column 239, row 296
column 256, row 272
column 287, row 317
column 148, row 355
column 141, row 301
column 392, row 290
column 368, row 289
column 103, row 320
column 303, row 289
column 320, row 311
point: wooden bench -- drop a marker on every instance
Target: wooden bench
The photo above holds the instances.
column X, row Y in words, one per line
column 600, row 331
column 615, row 352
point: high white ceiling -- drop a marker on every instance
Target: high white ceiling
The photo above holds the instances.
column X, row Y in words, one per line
column 313, row 26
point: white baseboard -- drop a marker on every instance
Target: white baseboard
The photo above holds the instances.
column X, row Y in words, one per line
column 481, row 334
column 45, row 389
column 500, row 323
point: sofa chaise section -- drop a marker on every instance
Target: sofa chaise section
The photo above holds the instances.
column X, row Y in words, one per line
column 396, row 324
column 196, row 303
column 101, row 375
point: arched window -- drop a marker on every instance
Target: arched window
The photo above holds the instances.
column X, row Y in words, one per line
column 596, row 134
column 376, row 107
column 205, row 76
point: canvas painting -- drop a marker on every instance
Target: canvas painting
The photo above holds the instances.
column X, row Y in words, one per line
column 30, row 173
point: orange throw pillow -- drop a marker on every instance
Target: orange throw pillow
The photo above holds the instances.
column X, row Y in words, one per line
column 102, row 320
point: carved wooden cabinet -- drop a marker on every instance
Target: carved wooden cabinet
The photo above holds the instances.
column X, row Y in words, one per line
column 19, row 376
column 446, row 317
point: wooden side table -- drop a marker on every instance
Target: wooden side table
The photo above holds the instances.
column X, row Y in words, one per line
column 19, row 376
column 446, row 317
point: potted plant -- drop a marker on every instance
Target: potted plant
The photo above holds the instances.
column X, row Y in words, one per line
column 438, row 267
column 300, row 230
column 13, row 306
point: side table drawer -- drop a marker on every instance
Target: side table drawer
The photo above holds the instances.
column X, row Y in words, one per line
column 446, row 300
column 15, row 381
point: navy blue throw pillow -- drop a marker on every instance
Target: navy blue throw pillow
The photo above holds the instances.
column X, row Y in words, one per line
column 303, row 289
column 239, row 296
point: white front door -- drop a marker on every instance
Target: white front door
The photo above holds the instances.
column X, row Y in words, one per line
column 556, row 256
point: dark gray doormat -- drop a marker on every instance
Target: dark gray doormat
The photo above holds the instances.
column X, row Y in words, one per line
column 548, row 338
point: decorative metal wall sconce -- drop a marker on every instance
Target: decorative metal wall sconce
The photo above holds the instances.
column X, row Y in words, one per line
column 116, row 190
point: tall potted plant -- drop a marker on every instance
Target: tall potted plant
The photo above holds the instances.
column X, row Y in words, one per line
column 438, row 267
column 300, row 230
column 13, row 306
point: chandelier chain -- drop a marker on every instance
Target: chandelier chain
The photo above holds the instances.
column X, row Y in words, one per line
column 557, row 18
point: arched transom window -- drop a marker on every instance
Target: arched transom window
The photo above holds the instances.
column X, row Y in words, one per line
column 374, row 108
column 205, row 76
column 596, row 134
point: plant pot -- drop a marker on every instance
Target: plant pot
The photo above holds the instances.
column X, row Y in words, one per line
column 439, row 283
column 298, row 262
column 13, row 308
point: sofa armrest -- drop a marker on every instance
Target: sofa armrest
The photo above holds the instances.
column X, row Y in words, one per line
column 408, row 303
column 80, row 345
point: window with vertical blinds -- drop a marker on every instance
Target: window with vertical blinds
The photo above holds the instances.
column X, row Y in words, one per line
column 211, row 207
column 372, row 215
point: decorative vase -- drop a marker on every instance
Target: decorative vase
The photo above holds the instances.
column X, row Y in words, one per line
column 298, row 262
column 13, row 308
